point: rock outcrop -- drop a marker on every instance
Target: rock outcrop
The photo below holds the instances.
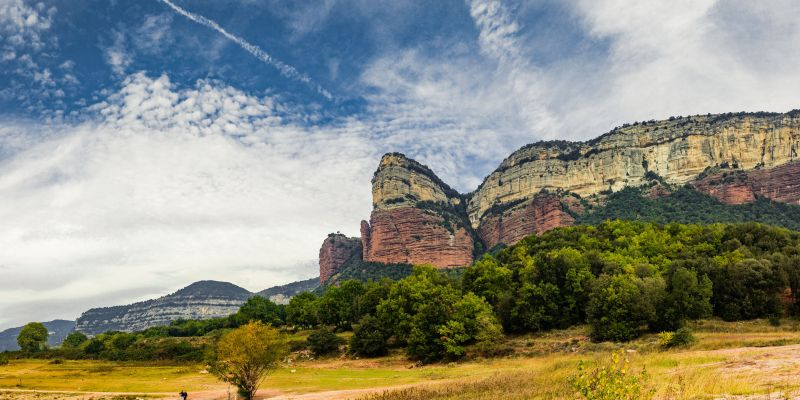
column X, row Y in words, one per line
column 417, row 218
column 336, row 251
column 538, row 215
column 736, row 158
column 412, row 235
column 677, row 150
column 733, row 187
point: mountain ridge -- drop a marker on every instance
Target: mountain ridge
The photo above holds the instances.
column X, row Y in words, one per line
column 735, row 158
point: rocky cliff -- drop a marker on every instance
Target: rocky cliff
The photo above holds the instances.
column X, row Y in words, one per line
column 336, row 251
column 678, row 150
column 736, row 158
column 416, row 218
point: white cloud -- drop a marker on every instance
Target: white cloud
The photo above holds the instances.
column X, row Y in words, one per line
column 118, row 57
column 168, row 186
column 154, row 34
column 22, row 25
column 678, row 58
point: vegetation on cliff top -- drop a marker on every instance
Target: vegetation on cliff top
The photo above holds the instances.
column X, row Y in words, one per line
column 687, row 205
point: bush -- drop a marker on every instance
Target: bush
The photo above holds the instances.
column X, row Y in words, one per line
column 370, row 338
column 681, row 337
column 323, row 341
column 774, row 320
column 3, row 359
column 611, row 382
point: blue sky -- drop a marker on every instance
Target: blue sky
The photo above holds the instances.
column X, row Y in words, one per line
column 142, row 148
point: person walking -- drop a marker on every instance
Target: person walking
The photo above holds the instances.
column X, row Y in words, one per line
column 183, row 394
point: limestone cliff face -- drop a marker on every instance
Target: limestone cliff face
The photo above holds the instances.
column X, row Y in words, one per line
column 677, row 150
column 336, row 251
column 417, row 218
column 401, row 182
column 736, row 158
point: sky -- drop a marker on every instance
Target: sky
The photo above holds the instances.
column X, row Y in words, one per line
column 148, row 144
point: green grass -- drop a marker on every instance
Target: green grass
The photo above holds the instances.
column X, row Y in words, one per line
column 716, row 364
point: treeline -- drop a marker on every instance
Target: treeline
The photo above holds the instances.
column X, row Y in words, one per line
column 182, row 340
column 624, row 278
column 621, row 278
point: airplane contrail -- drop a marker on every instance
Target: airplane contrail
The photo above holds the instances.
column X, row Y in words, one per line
column 285, row 69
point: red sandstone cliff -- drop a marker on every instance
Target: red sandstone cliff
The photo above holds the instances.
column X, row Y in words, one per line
column 538, row 215
column 780, row 184
column 416, row 218
column 336, row 250
column 413, row 236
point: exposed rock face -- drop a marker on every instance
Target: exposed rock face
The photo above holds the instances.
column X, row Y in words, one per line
column 336, row 251
column 200, row 300
column 677, row 150
column 728, row 187
column 780, row 183
column 401, row 182
column 417, row 218
column 538, row 215
column 283, row 293
column 738, row 187
column 411, row 235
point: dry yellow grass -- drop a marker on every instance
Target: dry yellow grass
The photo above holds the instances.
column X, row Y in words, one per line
column 717, row 366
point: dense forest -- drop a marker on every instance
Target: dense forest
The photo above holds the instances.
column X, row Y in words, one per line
column 687, row 205
column 621, row 278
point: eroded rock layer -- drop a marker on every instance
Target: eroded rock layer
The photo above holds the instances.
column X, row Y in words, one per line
column 781, row 184
column 677, row 150
column 336, row 251
column 736, row 158
column 538, row 215
column 411, row 235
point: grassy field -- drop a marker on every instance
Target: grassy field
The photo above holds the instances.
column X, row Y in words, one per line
column 729, row 359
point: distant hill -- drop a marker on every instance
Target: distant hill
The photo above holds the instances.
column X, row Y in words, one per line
column 200, row 300
column 59, row 329
column 282, row 294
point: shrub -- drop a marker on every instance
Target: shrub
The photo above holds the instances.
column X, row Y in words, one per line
column 3, row 359
column 370, row 338
column 774, row 320
column 323, row 341
column 665, row 339
column 681, row 337
column 611, row 382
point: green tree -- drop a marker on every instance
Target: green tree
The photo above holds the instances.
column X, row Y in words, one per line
column 258, row 308
column 341, row 305
column 323, row 341
column 688, row 297
column 620, row 305
column 302, row 310
column 74, row 340
column 247, row 354
column 370, row 338
column 748, row 289
column 33, row 338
